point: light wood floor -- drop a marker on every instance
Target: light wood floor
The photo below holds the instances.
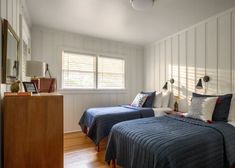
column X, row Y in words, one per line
column 80, row 152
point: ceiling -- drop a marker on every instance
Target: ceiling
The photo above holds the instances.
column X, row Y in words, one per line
column 117, row 20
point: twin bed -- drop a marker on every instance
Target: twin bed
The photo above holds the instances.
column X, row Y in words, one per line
column 97, row 122
column 172, row 142
column 169, row 141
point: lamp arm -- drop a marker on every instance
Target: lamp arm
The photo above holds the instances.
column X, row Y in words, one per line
column 47, row 70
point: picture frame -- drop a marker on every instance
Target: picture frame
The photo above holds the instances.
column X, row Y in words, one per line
column 30, row 87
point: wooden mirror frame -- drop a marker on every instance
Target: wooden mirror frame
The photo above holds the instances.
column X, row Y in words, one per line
column 5, row 27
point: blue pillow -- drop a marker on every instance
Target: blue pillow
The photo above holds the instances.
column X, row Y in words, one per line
column 222, row 107
column 150, row 99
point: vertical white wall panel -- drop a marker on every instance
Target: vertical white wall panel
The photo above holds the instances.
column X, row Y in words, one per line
column 18, row 10
column 3, row 8
column 211, row 56
column 200, row 53
column 182, row 72
column 168, row 61
column 146, row 68
column 157, row 67
column 9, row 11
column 233, row 51
column 175, row 64
column 224, row 53
column 138, row 73
column 14, row 14
column 162, row 64
column 133, row 56
column 151, row 66
column 191, row 50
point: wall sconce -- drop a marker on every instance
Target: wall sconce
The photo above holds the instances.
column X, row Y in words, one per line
column 199, row 83
column 165, row 87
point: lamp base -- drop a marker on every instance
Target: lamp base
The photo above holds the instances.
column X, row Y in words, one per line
column 36, row 82
column 47, row 85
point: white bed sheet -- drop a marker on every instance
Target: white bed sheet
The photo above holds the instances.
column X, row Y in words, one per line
column 161, row 111
column 232, row 123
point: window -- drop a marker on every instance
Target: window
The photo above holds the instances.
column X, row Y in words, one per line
column 111, row 73
column 83, row 71
column 78, row 71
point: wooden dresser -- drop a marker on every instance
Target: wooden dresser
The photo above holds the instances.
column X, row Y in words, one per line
column 33, row 131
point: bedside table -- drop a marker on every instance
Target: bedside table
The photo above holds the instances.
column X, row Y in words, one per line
column 176, row 113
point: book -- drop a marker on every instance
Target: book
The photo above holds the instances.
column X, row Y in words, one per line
column 18, row 94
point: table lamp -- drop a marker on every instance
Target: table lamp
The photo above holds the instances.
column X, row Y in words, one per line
column 35, row 70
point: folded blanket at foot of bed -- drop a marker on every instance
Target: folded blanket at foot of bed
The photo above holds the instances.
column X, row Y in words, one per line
column 100, row 120
column 171, row 142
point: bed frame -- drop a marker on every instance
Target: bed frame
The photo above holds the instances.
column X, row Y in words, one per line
column 113, row 164
column 86, row 129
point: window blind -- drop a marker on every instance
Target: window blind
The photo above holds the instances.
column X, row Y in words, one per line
column 111, row 73
column 78, row 71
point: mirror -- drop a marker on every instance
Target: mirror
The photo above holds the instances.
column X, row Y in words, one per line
column 10, row 61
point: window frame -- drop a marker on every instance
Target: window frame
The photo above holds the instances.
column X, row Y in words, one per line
column 96, row 89
column 97, row 73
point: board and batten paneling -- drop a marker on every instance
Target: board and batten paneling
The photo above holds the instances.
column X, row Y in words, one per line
column 206, row 48
column 191, row 68
column 14, row 11
column 224, row 53
column 11, row 10
column 156, row 66
column 48, row 44
column 168, row 60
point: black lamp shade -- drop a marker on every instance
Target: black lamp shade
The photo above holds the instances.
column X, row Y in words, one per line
column 165, row 87
column 199, row 84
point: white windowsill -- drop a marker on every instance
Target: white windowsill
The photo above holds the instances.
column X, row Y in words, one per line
column 92, row 91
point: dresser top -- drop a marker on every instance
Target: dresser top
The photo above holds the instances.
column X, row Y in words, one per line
column 36, row 95
column 47, row 94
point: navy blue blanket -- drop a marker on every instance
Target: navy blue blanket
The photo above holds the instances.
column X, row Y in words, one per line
column 100, row 120
column 172, row 142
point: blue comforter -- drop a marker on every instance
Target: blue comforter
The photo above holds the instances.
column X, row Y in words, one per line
column 100, row 120
column 172, row 142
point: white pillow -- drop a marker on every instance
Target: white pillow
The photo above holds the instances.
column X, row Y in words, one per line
column 232, row 123
column 231, row 116
column 166, row 98
column 157, row 100
column 202, row 108
column 161, row 111
column 139, row 100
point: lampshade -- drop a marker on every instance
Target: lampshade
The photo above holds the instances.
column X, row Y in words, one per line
column 35, row 68
column 142, row 4
column 199, row 84
column 165, row 87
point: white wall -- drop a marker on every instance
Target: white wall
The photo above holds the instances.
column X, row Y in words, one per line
column 203, row 49
column 10, row 10
column 15, row 11
column 48, row 44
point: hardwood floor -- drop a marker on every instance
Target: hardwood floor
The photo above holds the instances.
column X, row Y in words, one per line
column 80, row 152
